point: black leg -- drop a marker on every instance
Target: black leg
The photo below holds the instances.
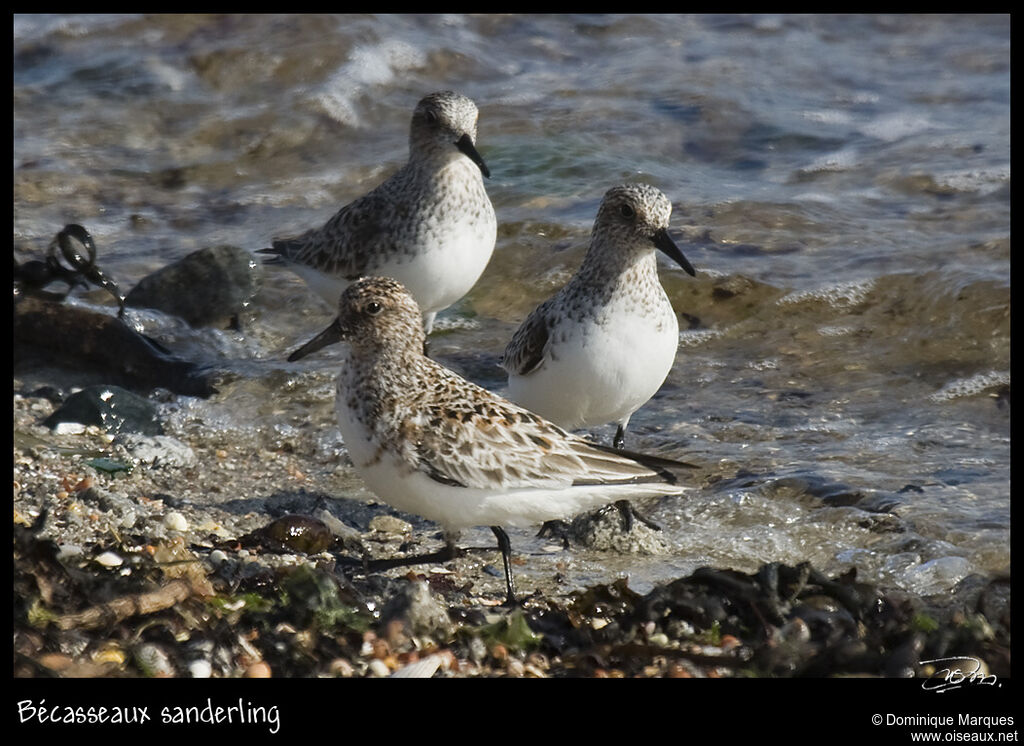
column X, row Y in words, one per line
column 506, row 556
column 620, row 436
column 630, row 513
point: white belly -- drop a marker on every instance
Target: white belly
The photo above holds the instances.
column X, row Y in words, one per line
column 599, row 375
column 454, row 507
column 438, row 276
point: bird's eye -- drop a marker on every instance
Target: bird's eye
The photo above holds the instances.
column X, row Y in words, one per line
column 373, row 308
column 431, row 116
column 627, row 212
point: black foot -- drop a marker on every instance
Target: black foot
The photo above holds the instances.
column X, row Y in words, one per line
column 555, row 529
column 629, row 514
column 620, row 437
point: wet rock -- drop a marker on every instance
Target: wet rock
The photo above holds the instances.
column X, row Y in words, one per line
column 617, row 527
column 48, row 333
column 905, row 659
column 112, row 408
column 936, row 575
column 349, row 538
column 153, row 661
column 421, row 669
column 419, row 611
column 317, row 598
column 389, row 524
column 994, row 603
column 78, row 252
column 291, row 533
column 204, row 288
column 200, row 669
column 157, row 450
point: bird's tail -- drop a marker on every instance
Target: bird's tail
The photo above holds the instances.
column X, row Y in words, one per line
column 282, row 251
column 668, row 469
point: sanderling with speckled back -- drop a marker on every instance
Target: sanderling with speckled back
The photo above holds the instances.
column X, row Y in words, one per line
column 429, row 442
column 431, row 225
column 599, row 348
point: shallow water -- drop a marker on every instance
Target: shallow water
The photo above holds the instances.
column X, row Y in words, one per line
column 841, row 184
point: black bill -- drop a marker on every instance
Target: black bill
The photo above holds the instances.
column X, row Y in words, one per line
column 663, row 242
column 465, row 144
column 328, row 336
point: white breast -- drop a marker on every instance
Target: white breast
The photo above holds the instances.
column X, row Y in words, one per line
column 599, row 373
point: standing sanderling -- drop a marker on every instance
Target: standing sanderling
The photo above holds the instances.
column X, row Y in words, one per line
column 429, row 442
column 599, row 348
column 431, row 225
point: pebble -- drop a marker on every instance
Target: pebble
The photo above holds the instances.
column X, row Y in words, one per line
column 341, row 668
column 389, row 524
column 421, row 669
column 200, row 669
column 109, row 559
column 419, row 610
column 68, row 552
column 109, row 655
column 55, row 661
column 175, row 521
column 153, row 661
column 157, row 450
column 258, row 670
column 378, row 668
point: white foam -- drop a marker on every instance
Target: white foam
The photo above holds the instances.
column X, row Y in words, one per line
column 971, row 386
column 840, row 295
column 839, row 160
column 935, row 576
column 835, row 331
column 983, row 180
column 695, row 337
column 892, row 127
column 827, row 116
column 370, row 65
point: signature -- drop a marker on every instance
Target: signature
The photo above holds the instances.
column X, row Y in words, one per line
column 953, row 676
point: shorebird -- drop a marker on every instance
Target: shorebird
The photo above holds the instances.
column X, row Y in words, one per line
column 599, row 348
column 431, row 225
column 429, row 442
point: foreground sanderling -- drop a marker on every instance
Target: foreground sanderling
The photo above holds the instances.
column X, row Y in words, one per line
column 431, row 225
column 429, row 442
column 599, row 348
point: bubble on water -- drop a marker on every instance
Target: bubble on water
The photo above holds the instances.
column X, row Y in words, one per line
column 771, row 363
column 896, row 126
column 935, row 576
column 695, row 337
column 841, row 295
column 835, row 331
column 971, row 386
column 369, row 66
column 840, row 160
column 983, row 180
column 827, row 116
column 452, row 322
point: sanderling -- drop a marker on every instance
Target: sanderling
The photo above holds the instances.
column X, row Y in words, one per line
column 599, row 348
column 431, row 225
column 427, row 441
